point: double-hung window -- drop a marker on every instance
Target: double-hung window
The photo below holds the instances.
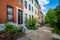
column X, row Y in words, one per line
column 32, row 1
column 29, row 7
column 32, row 9
column 10, row 13
column 26, row 4
column 32, row 16
column 26, row 18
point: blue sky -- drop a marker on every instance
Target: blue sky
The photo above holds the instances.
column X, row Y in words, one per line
column 47, row 4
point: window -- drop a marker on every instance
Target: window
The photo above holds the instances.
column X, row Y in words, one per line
column 29, row 16
column 32, row 1
column 20, row 17
column 35, row 4
column 35, row 12
column 25, row 18
column 29, row 7
column 20, row 1
column 25, row 4
column 32, row 16
column 32, row 9
column 10, row 13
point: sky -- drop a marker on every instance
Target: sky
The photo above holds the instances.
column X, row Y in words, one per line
column 47, row 4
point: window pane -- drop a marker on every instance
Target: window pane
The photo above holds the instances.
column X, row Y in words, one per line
column 25, row 18
column 20, row 1
column 32, row 9
column 10, row 10
column 10, row 14
column 32, row 16
column 25, row 4
column 32, row 1
column 20, row 17
column 29, row 7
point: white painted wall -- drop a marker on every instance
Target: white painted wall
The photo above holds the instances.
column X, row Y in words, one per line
column 34, row 8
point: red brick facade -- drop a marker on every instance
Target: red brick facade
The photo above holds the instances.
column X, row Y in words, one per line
column 3, row 9
column 39, row 9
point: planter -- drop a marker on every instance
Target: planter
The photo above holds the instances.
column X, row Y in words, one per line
column 14, row 37
column 21, row 34
column 5, row 36
column 2, row 37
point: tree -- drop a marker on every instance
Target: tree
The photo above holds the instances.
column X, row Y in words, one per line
column 51, row 17
column 57, row 9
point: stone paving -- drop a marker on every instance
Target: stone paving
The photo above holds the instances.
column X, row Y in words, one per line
column 43, row 33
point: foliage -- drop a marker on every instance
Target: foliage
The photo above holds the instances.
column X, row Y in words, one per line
column 51, row 17
column 20, row 29
column 8, row 27
column 56, row 30
column 57, row 9
column 31, row 23
column 12, row 29
column 15, row 31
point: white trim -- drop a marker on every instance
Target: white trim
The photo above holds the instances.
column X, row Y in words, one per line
column 19, row 8
column 17, row 15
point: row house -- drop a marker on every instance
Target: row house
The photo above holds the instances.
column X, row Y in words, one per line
column 18, row 11
column 11, row 10
column 42, row 18
column 39, row 13
column 30, row 9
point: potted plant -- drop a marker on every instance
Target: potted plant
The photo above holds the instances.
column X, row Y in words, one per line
column 2, row 35
column 5, row 35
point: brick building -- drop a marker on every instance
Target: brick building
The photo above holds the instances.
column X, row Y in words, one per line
column 10, row 10
column 17, row 11
column 39, row 13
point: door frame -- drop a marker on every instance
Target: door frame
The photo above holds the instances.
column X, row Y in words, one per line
column 17, row 8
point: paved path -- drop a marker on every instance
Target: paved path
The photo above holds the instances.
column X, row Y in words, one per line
column 43, row 33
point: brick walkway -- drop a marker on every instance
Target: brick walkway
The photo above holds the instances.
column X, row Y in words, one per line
column 43, row 33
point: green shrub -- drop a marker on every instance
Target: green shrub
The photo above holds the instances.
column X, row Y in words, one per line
column 56, row 30
column 8, row 27
column 20, row 29
column 12, row 29
column 15, row 31
column 31, row 23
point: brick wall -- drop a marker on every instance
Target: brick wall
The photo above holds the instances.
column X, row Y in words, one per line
column 3, row 9
column 39, row 13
